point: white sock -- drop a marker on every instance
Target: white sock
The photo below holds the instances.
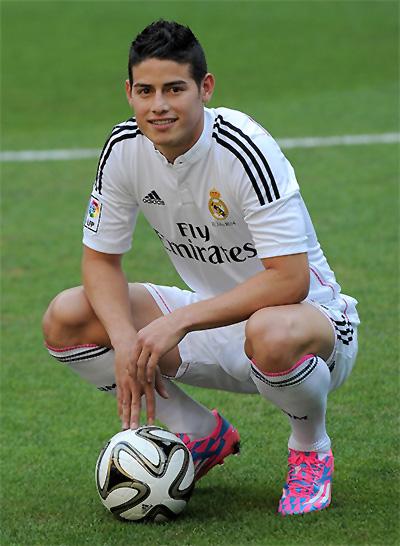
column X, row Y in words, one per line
column 301, row 393
column 180, row 413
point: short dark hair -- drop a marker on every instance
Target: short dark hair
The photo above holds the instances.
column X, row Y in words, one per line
column 171, row 41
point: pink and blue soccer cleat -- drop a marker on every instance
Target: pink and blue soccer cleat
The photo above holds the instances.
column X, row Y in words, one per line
column 212, row 450
column 309, row 481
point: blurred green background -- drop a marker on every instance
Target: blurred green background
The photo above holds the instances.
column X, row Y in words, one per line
column 302, row 68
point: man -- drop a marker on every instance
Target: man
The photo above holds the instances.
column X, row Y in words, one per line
column 265, row 313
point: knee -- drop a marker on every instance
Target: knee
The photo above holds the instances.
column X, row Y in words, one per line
column 65, row 313
column 271, row 340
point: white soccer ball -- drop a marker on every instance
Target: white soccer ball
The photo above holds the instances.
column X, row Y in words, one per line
column 145, row 474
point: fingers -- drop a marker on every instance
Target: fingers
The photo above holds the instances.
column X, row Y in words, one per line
column 133, row 367
column 152, row 366
column 124, row 407
column 146, row 365
column 150, row 403
column 129, row 394
column 141, row 363
column 147, row 370
column 136, row 405
column 119, row 401
column 159, row 384
column 130, row 404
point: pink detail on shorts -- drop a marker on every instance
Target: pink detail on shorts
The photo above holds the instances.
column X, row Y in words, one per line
column 160, row 296
column 277, row 374
column 322, row 282
column 58, row 350
column 345, row 309
column 333, row 290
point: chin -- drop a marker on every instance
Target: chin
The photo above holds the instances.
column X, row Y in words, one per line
column 165, row 139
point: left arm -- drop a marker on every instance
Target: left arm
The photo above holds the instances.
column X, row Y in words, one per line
column 285, row 281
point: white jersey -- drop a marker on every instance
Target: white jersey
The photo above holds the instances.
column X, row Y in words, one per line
column 229, row 201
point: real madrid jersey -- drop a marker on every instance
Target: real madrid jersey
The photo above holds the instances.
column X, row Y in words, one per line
column 229, row 201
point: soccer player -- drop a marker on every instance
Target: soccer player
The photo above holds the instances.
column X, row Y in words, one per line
column 264, row 313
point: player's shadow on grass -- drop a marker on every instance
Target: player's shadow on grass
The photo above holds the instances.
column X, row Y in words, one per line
column 234, row 499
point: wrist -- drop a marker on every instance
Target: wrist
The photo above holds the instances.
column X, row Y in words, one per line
column 122, row 337
column 184, row 319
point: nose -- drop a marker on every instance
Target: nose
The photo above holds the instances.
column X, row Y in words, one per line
column 160, row 105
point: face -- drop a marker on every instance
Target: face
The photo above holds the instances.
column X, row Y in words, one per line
column 168, row 104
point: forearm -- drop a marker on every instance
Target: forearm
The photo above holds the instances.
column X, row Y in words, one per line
column 266, row 289
column 107, row 290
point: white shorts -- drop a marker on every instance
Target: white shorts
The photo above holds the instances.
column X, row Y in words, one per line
column 344, row 352
column 219, row 352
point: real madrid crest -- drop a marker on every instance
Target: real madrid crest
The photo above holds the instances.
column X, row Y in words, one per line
column 216, row 206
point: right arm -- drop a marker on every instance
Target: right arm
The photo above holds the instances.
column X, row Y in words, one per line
column 107, row 291
column 108, row 228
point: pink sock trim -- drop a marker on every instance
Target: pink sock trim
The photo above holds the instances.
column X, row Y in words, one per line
column 277, row 374
column 58, row 350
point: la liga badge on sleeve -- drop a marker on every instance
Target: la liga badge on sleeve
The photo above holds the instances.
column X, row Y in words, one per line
column 93, row 214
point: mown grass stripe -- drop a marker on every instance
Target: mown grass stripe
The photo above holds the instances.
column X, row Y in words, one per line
column 285, row 143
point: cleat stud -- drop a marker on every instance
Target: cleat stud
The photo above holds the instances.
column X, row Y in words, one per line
column 236, row 448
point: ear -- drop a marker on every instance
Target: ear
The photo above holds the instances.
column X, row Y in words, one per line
column 207, row 87
column 128, row 92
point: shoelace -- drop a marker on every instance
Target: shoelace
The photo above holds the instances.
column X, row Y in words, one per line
column 303, row 485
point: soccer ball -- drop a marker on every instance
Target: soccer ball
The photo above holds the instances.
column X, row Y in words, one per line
column 145, row 474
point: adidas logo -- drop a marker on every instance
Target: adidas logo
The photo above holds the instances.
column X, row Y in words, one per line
column 153, row 199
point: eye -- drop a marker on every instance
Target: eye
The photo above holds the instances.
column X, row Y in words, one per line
column 143, row 91
column 176, row 89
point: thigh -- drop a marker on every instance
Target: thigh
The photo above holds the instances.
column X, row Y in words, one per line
column 73, row 311
column 71, row 321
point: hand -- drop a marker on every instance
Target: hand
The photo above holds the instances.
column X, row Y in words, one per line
column 130, row 391
column 152, row 343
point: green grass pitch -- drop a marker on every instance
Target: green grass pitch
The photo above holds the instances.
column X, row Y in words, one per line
column 301, row 69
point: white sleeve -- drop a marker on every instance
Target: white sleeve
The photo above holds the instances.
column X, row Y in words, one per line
column 277, row 225
column 279, row 229
column 112, row 210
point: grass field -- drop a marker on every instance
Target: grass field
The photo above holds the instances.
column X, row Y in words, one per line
column 301, row 69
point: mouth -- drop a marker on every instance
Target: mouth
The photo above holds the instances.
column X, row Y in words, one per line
column 165, row 122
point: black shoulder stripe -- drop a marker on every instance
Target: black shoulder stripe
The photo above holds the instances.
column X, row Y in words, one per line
column 251, row 157
column 124, row 123
column 121, row 129
column 257, row 150
column 124, row 127
column 105, row 154
column 117, row 129
column 245, row 166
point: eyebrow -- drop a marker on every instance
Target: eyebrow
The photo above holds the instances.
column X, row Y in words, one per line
column 168, row 84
